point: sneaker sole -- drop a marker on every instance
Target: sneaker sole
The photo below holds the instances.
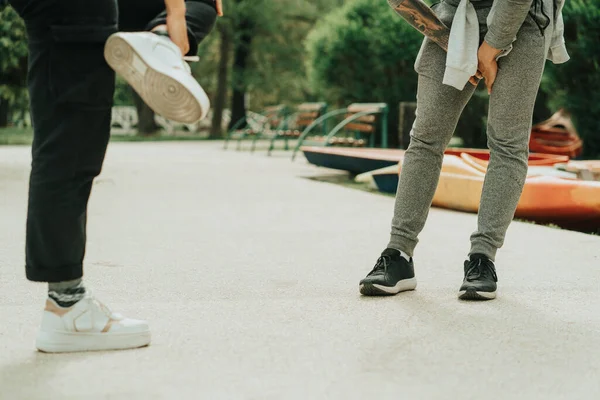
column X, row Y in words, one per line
column 68, row 342
column 164, row 94
column 373, row 289
column 472, row 294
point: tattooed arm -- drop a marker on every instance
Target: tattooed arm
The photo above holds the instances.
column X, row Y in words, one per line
column 420, row 16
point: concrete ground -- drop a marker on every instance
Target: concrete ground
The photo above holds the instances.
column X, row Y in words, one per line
column 248, row 272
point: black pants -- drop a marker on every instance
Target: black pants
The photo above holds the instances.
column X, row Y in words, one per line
column 71, row 93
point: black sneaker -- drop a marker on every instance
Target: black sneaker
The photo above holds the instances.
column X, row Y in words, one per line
column 480, row 279
column 391, row 275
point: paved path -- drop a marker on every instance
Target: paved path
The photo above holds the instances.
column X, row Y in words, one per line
column 249, row 273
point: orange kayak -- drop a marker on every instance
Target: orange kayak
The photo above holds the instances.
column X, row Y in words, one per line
column 569, row 203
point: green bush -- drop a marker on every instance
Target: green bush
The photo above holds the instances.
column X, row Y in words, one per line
column 123, row 93
column 574, row 85
column 13, row 66
column 364, row 52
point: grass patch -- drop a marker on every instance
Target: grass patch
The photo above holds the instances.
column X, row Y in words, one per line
column 24, row 136
column 16, row 136
column 156, row 138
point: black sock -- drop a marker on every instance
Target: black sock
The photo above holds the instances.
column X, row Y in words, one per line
column 66, row 294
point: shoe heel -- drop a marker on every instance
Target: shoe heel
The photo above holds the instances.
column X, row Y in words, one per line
column 166, row 95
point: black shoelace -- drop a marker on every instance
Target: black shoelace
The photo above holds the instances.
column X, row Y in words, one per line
column 381, row 265
column 478, row 268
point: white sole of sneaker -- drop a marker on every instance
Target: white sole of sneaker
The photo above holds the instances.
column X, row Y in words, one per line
column 402, row 286
column 162, row 91
column 471, row 294
column 70, row 342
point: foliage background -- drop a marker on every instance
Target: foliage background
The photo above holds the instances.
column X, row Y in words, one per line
column 266, row 52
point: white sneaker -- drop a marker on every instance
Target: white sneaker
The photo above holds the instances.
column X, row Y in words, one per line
column 88, row 326
column 154, row 67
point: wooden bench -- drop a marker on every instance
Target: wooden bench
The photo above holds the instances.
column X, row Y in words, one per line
column 296, row 123
column 124, row 117
column 256, row 124
column 360, row 124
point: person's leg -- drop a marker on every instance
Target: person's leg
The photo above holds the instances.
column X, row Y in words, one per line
column 509, row 126
column 438, row 109
column 71, row 90
column 153, row 65
column 135, row 14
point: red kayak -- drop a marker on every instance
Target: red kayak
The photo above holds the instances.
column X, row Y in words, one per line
column 556, row 135
column 361, row 160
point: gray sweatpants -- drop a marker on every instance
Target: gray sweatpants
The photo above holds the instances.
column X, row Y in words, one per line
column 509, row 125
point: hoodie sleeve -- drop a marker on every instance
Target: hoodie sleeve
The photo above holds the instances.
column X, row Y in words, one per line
column 558, row 50
column 506, row 21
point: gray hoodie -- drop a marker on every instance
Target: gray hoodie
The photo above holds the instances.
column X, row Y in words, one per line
column 507, row 16
column 504, row 21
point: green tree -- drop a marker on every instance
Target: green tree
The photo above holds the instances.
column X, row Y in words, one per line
column 363, row 52
column 13, row 64
column 574, row 85
column 259, row 57
column 220, row 97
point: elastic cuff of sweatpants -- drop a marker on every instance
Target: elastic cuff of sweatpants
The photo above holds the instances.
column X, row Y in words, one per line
column 191, row 37
column 402, row 243
column 481, row 247
column 53, row 275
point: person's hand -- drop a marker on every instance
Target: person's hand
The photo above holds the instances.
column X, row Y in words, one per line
column 219, row 4
column 177, row 28
column 487, row 66
column 476, row 78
